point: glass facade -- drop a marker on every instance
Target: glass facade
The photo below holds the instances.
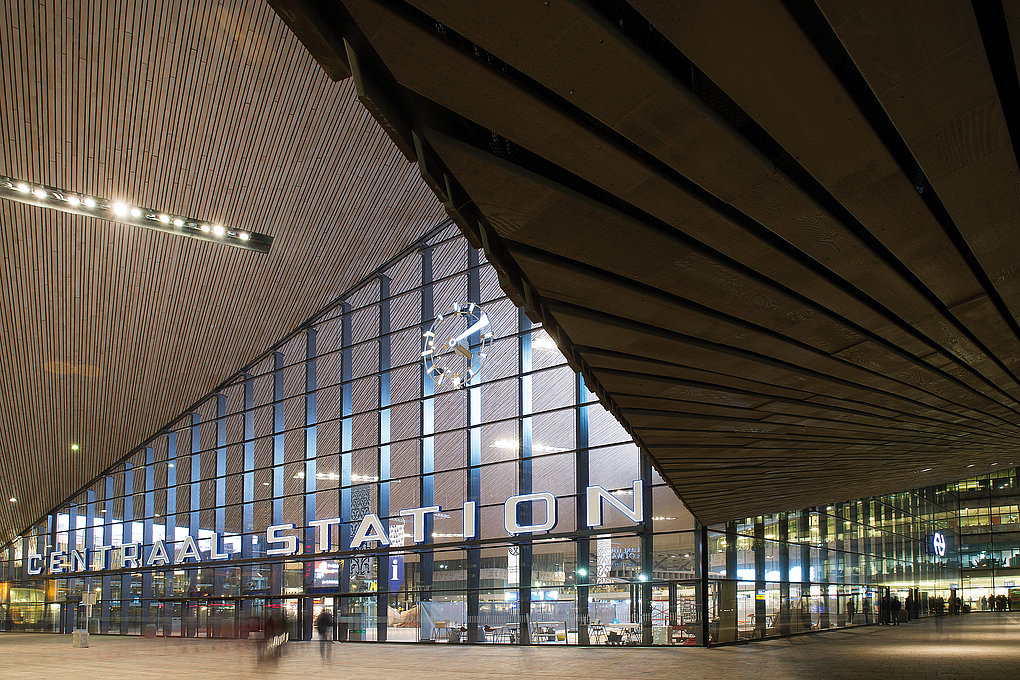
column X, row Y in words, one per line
column 334, row 474
column 986, row 510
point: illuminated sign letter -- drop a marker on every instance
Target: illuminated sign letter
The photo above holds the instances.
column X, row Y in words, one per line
column 131, row 555
column 418, row 532
column 214, row 552
column 322, row 531
column 273, row 536
column 79, row 561
column 57, row 562
column 35, row 565
column 157, row 556
column 594, row 495
column 370, row 529
column 510, row 522
column 103, row 551
column 189, row 549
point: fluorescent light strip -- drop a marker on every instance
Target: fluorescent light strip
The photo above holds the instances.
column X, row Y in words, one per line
column 118, row 211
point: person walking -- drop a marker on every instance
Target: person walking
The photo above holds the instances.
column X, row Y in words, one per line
column 324, row 624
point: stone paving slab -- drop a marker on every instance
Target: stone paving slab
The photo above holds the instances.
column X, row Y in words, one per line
column 984, row 646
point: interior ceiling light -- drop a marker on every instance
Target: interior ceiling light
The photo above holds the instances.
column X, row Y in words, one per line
column 74, row 447
column 137, row 216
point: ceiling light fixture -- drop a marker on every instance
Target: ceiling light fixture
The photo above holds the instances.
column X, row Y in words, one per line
column 74, row 447
column 118, row 211
column 12, row 499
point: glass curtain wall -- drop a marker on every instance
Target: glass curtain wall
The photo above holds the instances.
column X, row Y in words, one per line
column 986, row 510
column 830, row 566
column 342, row 420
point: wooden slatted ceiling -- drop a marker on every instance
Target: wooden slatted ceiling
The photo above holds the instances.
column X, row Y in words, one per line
column 778, row 238
column 212, row 110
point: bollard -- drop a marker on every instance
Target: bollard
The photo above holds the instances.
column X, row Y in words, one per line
column 80, row 638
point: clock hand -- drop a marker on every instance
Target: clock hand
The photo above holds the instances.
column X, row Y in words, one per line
column 482, row 322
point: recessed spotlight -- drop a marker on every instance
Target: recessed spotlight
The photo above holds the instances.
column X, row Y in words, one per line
column 39, row 193
column 22, row 187
column 217, row 230
column 119, row 209
column 89, row 202
column 206, row 228
column 164, row 218
column 12, row 499
column 265, row 483
column 243, row 235
column 73, row 200
column 178, row 222
column 74, row 447
column 135, row 212
column 170, row 465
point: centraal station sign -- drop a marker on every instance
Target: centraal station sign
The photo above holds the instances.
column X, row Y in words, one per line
column 369, row 530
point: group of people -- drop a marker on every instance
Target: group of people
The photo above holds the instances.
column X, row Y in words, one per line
column 995, row 603
column 889, row 609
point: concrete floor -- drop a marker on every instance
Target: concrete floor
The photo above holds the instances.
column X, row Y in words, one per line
column 985, row 646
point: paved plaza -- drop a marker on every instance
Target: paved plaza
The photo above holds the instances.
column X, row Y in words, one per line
column 985, row 646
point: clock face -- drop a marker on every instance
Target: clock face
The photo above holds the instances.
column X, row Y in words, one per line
column 457, row 345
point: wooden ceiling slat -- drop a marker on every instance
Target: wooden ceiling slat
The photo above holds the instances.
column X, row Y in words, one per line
column 212, row 110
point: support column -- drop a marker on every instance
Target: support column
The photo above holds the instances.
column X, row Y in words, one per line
column 728, row 589
column 647, row 562
column 428, row 429
column 803, row 620
column 823, row 567
column 344, row 611
column 784, row 574
column 127, row 536
column 248, row 500
column 311, row 418
column 383, row 510
column 279, row 426
column 474, row 461
column 171, row 526
column 524, row 477
column 760, row 592
column 149, row 510
column 702, row 573
column 581, row 477
column 219, row 515
column 195, row 504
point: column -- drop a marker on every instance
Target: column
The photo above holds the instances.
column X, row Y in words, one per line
column 383, row 510
column 758, row 549
column 171, row 525
column 194, row 506
column 248, row 499
column 524, row 484
column 127, row 536
column 343, row 613
column 428, row 428
column 149, row 509
column 728, row 589
column 474, row 460
column 219, row 514
column 783, row 622
column 279, row 426
column 581, row 477
column 647, row 563
column 311, row 418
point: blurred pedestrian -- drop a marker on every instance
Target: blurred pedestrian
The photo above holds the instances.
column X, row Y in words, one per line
column 324, row 624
